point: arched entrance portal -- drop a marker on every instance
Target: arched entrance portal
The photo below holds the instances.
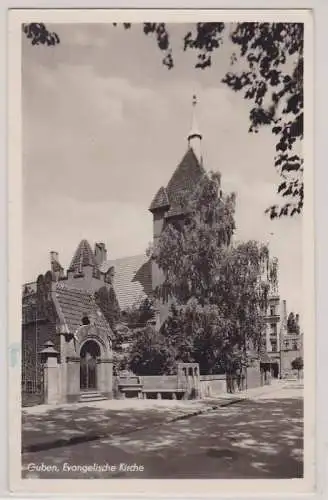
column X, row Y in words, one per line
column 90, row 352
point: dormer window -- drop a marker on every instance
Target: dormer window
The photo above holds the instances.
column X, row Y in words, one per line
column 85, row 320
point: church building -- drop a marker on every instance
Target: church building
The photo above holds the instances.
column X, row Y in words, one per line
column 64, row 322
column 67, row 317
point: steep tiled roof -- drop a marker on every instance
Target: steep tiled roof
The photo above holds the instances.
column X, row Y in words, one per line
column 75, row 303
column 132, row 278
column 183, row 181
column 160, row 200
column 83, row 256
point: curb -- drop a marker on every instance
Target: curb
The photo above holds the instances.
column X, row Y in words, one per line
column 85, row 438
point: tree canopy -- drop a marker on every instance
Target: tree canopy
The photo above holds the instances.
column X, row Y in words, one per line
column 107, row 301
column 293, row 323
column 217, row 289
column 266, row 68
column 150, row 354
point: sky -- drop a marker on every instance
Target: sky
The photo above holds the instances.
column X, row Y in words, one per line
column 104, row 126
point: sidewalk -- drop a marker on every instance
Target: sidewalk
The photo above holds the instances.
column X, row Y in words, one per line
column 45, row 427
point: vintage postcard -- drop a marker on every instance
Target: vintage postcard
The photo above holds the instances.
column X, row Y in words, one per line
column 161, row 290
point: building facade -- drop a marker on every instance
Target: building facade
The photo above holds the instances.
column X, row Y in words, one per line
column 281, row 346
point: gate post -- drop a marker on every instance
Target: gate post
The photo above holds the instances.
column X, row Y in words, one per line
column 49, row 359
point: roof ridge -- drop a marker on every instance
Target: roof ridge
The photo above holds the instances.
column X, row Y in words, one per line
column 127, row 257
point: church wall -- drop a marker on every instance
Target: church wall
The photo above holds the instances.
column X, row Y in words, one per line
column 158, row 223
column 87, row 282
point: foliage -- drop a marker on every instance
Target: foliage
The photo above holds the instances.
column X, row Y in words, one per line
column 38, row 34
column 189, row 254
column 272, row 59
column 107, row 302
column 293, row 323
column 151, row 354
column 140, row 313
column 197, row 334
column 273, row 81
column 220, row 289
column 297, row 363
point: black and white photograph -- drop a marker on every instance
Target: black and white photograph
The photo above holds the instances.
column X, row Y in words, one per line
column 164, row 310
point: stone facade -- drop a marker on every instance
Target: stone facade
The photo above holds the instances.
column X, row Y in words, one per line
column 281, row 347
column 63, row 310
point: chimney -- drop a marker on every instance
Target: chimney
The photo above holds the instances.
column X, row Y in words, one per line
column 284, row 311
column 54, row 256
column 283, row 317
column 55, row 265
column 100, row 253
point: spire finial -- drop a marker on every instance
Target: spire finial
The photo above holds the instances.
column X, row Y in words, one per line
column 195, row 137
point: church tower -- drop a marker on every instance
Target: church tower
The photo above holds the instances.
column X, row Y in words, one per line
column 169, row 203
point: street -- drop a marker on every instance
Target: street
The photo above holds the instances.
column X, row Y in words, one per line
column 256, row 438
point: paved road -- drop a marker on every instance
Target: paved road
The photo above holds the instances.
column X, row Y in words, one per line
column 259, row 438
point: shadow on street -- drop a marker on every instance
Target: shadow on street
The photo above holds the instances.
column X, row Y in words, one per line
column 252, row 439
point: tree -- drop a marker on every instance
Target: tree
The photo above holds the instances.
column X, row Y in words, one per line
column 298, row 364
column 107, row 302
column 270, row 75
column 151, row 354
column 138, row 315
column 38, row 34
column 219, row 289
column 293, row 323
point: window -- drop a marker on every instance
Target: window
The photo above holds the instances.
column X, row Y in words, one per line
column 273, row 327
column 274, row 346
column 85, row 320
column 272, row 311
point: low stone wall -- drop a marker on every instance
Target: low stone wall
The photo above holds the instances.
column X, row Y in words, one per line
column 253, row 377
column 207, row 385
column 159, row 382
column 212, row 385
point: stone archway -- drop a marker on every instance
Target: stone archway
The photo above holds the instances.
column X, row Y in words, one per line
column 89, row 357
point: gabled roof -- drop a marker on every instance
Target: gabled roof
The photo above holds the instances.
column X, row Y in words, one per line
column 132, row 279
column 83, row 256
column 160, row 200
column 74, row 303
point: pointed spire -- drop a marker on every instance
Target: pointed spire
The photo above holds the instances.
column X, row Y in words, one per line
column 195, row 137
column 83, row 257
